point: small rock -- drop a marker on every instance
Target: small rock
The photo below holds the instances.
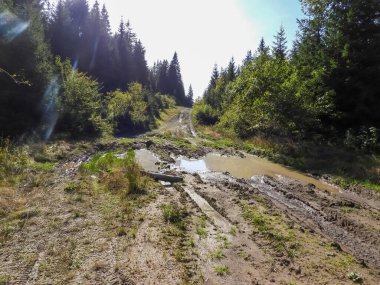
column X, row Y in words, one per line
column 331, row 254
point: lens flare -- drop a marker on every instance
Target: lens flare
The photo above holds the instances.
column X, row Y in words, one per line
column 94, row 51
column 11, row 26
column 49, row 104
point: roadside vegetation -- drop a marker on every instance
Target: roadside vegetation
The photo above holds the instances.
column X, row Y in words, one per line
column 311, row 107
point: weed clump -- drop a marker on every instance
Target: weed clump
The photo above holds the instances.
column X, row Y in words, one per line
column 118, row 174
column 172, row 213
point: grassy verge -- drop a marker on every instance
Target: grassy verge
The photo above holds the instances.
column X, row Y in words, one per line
column 167, row 115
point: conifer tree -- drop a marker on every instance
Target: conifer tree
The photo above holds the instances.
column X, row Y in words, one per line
column 279, row 45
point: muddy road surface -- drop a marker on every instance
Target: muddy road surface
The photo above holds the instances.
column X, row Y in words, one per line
column 234, row 219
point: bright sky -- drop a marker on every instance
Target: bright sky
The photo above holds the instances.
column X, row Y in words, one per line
column 203, row 32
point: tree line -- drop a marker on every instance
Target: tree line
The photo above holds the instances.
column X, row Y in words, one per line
column 38, row 43
column 327, row 84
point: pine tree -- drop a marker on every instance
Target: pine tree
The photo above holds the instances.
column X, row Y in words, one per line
column 279, row 45
column 140, row 70
column 231, row 70
column 214, row 77
column 262, row 49
column 190, row 97
column 162, row 80
column 248, row 58
column 176, row 88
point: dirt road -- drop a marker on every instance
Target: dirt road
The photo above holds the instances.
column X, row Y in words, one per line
column 260, row 230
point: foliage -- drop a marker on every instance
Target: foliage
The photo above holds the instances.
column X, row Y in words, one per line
column 27, row 60
column 172, row 213
column 204, row 113
column 135, row 109
column 80, row 103
column 117, row 174
column 13, row 162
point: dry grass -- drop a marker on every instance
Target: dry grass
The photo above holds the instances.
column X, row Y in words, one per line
column 10, row 201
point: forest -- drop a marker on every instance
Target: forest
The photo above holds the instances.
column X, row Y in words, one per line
column 326, row 87
column 63, row 71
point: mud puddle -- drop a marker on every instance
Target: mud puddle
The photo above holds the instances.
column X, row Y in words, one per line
column 147, row 160
column 246, row 167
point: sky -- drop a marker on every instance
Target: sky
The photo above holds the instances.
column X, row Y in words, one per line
column 203, row 32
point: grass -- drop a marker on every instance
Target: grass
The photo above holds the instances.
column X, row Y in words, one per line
column 217, row 254
column 4, row 279
column 272, row 228
column 117, row 174
column 172, row 213
column 14, row 161
column 222, row 270
column 167, row 115
column 201, row 227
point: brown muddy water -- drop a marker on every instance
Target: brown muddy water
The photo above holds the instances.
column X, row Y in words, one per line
column 246, row 167
column 238, row 167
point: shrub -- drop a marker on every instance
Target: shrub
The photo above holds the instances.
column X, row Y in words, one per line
column 80, row 104
column 205, row 114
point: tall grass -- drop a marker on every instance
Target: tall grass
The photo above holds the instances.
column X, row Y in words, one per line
column 13, row 162
column 117, row 173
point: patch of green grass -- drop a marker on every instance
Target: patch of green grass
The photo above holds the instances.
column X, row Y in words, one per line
column 72, row 187
column 347, row 183
column 217, row 254
column 14, row 161
column 4, row 279
column 222, row 270
column 172, row 213
column 44, row 166
column 281, row 237
column 118, row 174
column 201, row 227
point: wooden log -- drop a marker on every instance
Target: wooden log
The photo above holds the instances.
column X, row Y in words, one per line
column 164, row 177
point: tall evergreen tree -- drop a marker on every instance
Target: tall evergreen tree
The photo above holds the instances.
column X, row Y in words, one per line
column 279, row 45
column 231, row 71
column 140, row 71
column 176, row 88
column 262, row 49
column 190, row 97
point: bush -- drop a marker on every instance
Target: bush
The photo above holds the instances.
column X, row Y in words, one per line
column 205, row 114
column 80, row 104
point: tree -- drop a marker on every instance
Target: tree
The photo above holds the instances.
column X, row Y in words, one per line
column 262, row 49
column 176, row 88
column 231, row 70
column 140, row 70
column 190, row 97
column 279, row 48
column 248, row 58
column 26, row 54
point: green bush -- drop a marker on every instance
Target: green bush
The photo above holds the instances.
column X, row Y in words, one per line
column 205, row 114
column 80, row 104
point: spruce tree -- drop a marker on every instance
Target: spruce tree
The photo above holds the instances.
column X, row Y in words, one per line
column 176, row 88
column 279, row 45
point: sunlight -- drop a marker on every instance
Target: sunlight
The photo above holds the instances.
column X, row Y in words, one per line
column 11, row 26
column 50, row 115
